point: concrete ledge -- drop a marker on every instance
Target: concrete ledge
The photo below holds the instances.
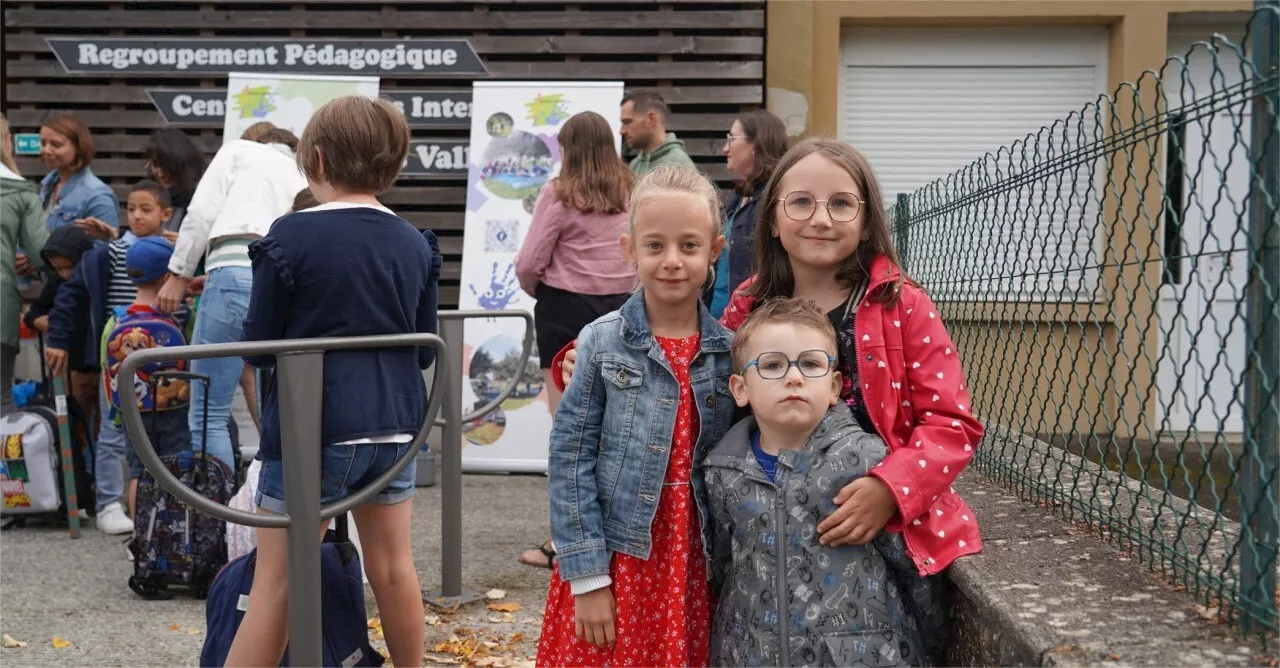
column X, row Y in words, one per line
column 1046, row 592
column 1049, row 591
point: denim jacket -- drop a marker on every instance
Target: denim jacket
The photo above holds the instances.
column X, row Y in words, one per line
column 611, row 437
column 82, row 196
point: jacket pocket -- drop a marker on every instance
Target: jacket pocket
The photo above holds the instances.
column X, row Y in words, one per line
column 866, row 648
column 622, row 376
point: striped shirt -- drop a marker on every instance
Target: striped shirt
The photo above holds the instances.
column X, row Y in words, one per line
column 229, row 252
column 120, row 290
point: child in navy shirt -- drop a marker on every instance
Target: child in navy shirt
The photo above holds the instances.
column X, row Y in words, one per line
column 348, row 267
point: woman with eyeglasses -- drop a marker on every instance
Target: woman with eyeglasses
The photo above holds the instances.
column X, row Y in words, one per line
column 752, row 148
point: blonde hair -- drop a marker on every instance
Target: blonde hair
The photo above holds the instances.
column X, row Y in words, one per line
column 679, row 179
column 6, row 145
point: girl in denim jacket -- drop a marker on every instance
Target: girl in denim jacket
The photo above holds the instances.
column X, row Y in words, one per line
column 652, row 396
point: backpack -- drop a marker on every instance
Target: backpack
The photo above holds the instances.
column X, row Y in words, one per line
column 172, row 544
column 32, row 448
column 128, row 332
column 345, row 627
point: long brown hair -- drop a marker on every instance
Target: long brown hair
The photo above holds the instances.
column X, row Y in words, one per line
column 775, row 278
column 592, row 175
column 768, row 136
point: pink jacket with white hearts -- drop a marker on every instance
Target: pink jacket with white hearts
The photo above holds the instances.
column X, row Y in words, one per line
column 915, row 393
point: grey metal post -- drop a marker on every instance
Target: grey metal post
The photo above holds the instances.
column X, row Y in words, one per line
column 452, row 330
column 301, row 395
column 1260, row 493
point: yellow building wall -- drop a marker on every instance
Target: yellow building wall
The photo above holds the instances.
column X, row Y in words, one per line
column 1088, row 369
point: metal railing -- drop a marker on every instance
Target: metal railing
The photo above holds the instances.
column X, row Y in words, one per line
column 300, row 375
column 1113, row 283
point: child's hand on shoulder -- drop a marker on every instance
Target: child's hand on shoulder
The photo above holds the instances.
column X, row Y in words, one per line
column 594, row 614
column 865, row 506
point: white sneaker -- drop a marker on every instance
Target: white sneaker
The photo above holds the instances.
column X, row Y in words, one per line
column 113, row 520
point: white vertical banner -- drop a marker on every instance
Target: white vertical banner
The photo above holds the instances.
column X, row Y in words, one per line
column 287, row 100
column 514, row 152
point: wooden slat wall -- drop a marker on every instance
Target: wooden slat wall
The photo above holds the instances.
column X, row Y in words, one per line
column 705, row 57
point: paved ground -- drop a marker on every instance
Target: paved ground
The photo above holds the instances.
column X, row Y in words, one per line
column 53, row 587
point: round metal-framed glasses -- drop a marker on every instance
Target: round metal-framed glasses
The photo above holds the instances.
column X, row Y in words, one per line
column 841, row 207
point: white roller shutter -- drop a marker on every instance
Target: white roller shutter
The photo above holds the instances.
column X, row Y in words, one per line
column 922, row 103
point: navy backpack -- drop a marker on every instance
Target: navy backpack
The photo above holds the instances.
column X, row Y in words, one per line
column 346, row 633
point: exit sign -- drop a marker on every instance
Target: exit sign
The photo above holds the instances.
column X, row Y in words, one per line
column 26, row 144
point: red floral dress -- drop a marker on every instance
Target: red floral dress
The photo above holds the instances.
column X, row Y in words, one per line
column 663, row 604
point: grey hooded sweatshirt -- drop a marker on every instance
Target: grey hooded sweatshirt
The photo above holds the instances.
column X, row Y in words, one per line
column 785, row 600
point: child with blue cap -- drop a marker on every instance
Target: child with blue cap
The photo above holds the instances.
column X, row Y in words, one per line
column 138, row 327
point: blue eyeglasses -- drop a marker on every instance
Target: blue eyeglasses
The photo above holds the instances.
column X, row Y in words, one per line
column 774, row 365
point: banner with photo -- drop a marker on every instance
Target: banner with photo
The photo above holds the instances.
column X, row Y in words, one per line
column 287, row 100
column 514, row 152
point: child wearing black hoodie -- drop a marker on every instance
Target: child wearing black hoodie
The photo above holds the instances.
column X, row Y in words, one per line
column 62, row 253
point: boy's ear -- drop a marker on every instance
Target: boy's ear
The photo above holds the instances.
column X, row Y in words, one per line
column 167, row 213
column 738, row 387
column 837, row 383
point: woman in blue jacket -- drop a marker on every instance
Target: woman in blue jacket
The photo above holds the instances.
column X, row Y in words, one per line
column 754, row 144
column 70, row 191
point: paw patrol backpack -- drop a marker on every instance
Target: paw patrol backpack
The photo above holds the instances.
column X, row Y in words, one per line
column 139, row 328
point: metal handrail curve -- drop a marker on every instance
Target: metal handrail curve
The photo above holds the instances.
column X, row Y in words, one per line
column 524, row 356
column 151, row 459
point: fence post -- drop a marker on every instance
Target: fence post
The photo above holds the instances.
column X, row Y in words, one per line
column 1259, row 491
column 901, row 212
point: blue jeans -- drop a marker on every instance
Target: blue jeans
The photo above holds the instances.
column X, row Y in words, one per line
column 110, row 454
column 223, row 307
column 344, row 469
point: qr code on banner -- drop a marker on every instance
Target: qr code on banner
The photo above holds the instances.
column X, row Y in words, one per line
column 501, row 236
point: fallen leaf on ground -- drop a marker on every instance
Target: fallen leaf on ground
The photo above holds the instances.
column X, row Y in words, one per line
column 1062, row 648
column 192, row 631
column 517, row 637
column 175, row 626
column 1208, row 614
column 11, row 643
column 505, row 607
column 440, row 659
column 375, row 623
column 495, row 619
column 495, row 594
column 432, row 620
column 508, row 617
column 59, row 643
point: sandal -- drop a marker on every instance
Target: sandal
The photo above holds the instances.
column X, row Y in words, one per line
column 546, row 551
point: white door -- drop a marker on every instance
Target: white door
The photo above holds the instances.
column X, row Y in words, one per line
column 923, row 103
column 1202, row 360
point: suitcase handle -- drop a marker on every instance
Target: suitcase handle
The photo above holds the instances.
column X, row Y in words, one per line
column 204, row 424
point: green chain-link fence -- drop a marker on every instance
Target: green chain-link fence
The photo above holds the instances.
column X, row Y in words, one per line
column 1114, row 284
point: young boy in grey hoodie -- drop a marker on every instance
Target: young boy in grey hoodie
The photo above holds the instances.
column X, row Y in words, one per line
column 784, row 599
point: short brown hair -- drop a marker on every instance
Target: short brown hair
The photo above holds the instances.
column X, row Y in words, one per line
column 592, row 176
column 279, row 136
column 304, row 200
column 788, row 311
column 774, row 277
column 646, row 102
column 257, row 131
column 70, row 126
column 355, row 143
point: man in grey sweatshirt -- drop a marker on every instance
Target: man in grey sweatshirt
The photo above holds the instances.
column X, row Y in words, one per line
column 644, row 119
